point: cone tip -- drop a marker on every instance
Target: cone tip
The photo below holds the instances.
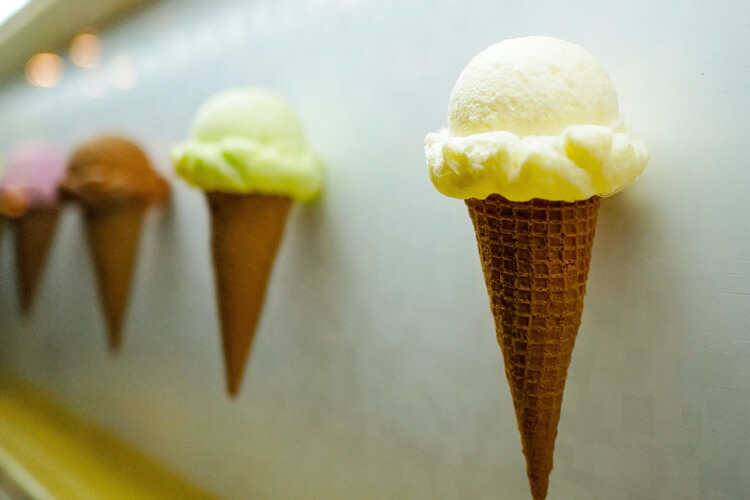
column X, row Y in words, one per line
column 539, row 487
column 233, row 387
column 114, row 338
column 234, row 373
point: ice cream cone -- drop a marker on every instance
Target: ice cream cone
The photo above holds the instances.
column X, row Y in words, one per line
column 112, row 180
column 534, row 138
column 248, row 153
column 113, row 233
column 34, row 233
column 29, row 199
column 535, row 257
column 246, row 231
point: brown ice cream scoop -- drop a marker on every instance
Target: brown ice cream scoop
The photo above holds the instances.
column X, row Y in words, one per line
column 111, row 170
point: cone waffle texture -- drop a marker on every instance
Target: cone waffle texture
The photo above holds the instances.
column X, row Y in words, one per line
column 34, row 233
column 246, row 231
column 113, row 233
column 535, row 257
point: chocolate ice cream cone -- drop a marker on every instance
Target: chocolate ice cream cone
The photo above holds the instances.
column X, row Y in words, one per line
column 246, row 231
column 34, row 233
column 113, row 181
column 535, row 257
column 113, row 233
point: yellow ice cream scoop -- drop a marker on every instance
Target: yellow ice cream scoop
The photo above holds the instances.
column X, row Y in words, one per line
column 534, row 117
column 249, row 140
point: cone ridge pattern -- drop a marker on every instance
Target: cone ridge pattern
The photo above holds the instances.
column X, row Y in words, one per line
column 535, row 258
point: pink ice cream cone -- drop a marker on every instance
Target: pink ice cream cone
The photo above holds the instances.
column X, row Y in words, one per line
column 28, row 196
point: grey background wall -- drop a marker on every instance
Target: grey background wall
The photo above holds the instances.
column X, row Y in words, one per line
column 375, row 373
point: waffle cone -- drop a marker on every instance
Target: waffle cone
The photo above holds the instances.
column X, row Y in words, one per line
column 113, row 233
column 535, row 257
column 34, row 233
column 246, row 231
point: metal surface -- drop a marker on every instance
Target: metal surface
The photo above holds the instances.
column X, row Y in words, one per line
column 375, row 372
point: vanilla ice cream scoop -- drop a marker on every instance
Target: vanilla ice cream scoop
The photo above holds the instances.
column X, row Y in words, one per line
column 534, row 117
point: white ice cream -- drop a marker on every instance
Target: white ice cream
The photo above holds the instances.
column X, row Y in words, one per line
column 534, row 117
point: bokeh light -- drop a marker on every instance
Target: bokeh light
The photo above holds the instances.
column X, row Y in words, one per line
column 85, row 50
column 44, row 70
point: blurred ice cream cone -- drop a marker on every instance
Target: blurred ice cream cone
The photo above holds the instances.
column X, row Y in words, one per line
column 246, row 231
column 112, row 179
column 247, row 152
column 29, row 197
column 35, row 231
column 113, row 235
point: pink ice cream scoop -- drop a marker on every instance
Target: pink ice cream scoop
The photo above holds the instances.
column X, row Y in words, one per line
column 33, row 172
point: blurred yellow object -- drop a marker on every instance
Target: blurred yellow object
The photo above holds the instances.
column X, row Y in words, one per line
column 46, row 453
